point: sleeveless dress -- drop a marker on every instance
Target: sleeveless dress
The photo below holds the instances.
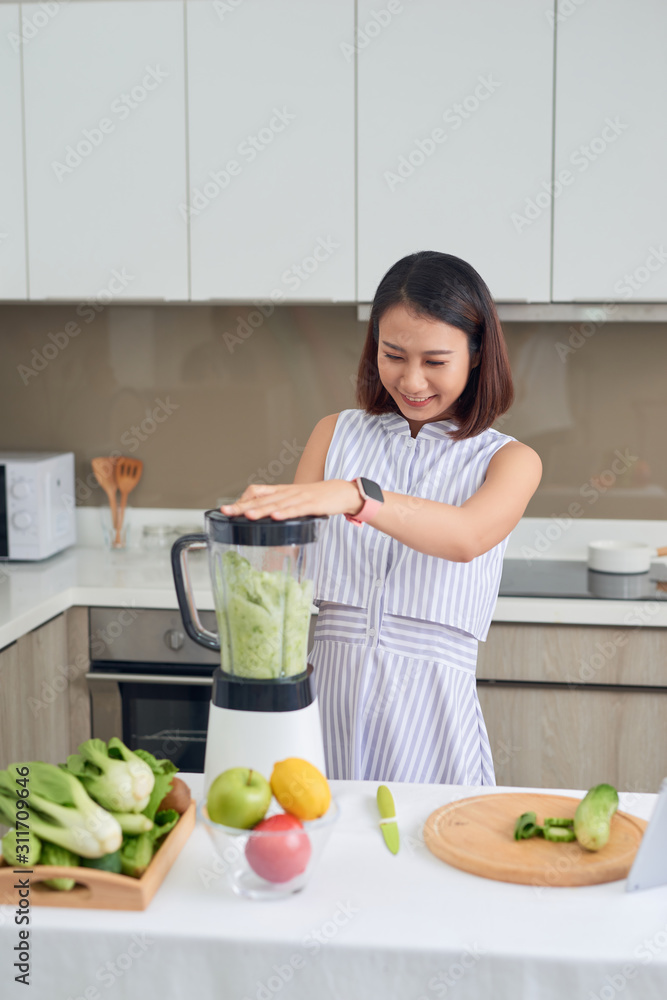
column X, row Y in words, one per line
column 395, row 643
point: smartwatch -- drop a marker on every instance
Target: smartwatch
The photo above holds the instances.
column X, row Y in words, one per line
column 371, row 494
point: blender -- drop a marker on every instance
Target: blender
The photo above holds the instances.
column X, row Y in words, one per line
column 263, row 702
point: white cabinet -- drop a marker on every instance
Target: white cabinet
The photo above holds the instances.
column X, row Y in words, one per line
column 610, row 230
column 454, row 136
column 105, row 151
column 12, row 204
column 271, row 150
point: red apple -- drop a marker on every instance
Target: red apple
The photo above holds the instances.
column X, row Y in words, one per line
column 277, row 856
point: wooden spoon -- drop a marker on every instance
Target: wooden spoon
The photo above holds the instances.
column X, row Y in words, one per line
column 128, row 474
column 104, row 470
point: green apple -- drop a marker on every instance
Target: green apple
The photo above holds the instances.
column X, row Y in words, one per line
column 238, row 797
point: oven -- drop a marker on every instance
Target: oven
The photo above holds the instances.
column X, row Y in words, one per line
column 150, row 683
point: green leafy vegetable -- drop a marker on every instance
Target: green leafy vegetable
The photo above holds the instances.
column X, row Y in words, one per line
column 21, row 848
column 107, row 863
column 134, row 823
column 136, row 852
column 116, row 777
column 61, row 811
column 163, row 772
column 54, row 855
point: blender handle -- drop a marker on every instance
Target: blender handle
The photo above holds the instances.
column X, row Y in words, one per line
column 189, row 613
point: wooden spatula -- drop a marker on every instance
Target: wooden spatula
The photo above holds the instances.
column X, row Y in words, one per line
column 104, row 470
column 128, row 474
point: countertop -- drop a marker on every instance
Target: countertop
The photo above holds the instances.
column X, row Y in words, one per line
column 368, row 925
column 91, row 576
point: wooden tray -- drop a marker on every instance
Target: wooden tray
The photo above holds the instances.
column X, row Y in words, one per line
column 98, row 890
column 477, row 835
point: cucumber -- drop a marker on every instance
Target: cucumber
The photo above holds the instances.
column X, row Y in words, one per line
column 107, row 863
column 593, row 817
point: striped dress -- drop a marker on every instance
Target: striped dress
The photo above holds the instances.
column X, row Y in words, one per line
column 395, row 644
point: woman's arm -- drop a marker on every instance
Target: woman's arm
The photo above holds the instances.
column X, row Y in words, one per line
column 462, row 533
column 458, row 534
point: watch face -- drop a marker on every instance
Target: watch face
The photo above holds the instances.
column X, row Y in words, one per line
column 372, row 489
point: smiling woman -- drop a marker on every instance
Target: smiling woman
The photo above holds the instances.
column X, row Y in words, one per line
column 402, row 607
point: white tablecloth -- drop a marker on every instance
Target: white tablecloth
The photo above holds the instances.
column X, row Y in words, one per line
column 369, row 925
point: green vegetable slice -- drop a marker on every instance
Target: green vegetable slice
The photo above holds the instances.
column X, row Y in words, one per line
column 559, row 834
column 559, row 822
column 526, row 826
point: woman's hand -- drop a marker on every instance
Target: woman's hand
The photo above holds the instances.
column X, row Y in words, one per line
column 332, row 496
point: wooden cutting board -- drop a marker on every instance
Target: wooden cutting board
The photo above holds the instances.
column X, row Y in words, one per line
column 477, row 835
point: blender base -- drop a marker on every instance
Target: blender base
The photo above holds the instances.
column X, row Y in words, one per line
column 258, row 740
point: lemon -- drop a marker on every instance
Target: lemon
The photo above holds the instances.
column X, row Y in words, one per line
column 300, row 788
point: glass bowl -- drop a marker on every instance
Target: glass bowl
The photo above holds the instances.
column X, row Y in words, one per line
column 276, row 853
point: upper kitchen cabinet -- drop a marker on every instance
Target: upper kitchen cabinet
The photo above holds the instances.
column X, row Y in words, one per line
column 12, row 204
column 271, row 150
column 105, row 150
column 455, row 138
column 610, row 219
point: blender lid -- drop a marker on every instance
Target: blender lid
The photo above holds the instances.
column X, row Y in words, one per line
column 240, row 530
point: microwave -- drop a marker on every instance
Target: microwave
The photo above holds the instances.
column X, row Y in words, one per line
column 37, row 504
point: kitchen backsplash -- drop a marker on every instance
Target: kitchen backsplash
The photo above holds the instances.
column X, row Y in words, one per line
column 212, row 398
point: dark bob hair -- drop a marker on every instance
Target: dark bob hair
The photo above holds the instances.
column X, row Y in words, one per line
column 444, row 288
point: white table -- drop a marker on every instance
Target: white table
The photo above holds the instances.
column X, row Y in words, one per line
column 369, row 925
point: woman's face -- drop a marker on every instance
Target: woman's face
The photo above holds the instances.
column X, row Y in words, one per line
column 425, row 359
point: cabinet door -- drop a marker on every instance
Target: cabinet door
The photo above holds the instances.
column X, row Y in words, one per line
column 12, row 204
column 105, row 151
column 611, row 83
column 562, row 737
column 271, row 150
column 454, row 137
column 35, row 696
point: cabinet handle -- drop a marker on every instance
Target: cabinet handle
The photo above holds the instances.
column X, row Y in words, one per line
column 150, row 679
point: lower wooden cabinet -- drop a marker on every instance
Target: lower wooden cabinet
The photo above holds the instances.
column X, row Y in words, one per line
column 573, row 706
column 44, row 703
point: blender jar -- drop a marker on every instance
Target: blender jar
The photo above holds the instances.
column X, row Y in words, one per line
column 262, row 579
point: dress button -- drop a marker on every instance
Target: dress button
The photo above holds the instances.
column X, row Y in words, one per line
column 378, row 583
column 371, row 631
column 411, row 442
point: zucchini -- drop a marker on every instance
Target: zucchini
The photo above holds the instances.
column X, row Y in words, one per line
column 593, row 817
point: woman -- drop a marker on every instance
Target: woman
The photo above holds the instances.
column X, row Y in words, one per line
column 408, row 579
